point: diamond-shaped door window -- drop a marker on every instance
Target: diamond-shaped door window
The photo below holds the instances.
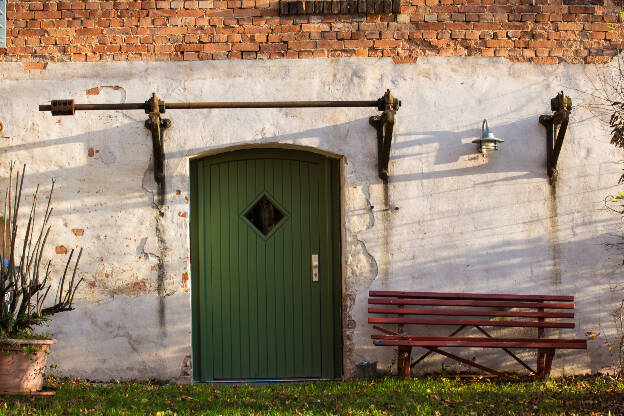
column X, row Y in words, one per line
column 264, row 215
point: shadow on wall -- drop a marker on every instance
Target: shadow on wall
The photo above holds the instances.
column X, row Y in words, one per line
column 111, row 180
column 99, row 342
column 498, row 268
column 108, row 170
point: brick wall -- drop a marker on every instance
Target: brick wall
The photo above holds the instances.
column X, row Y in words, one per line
column 540, row 31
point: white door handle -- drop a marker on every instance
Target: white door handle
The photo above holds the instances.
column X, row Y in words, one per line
column 315, row 267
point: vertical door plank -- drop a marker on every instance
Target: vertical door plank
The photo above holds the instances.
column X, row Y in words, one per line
column 335, row 237
column 234, row 271
column 242, row 255
column 214, row 293
column 269, row 262
column 327, row 297
column 254, row 316
column 296, row 271
column 317, row 213
column 206, row 268
column 262, row 283
column 225, row 276
column 196, row 259
column 306, row 268
column 279, row 298
column 287, row 290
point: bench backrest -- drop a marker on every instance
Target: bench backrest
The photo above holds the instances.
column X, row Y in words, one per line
column 474, row 309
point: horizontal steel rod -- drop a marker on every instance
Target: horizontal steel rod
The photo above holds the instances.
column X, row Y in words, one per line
column 126, row 106
column 271, row 104
column 215, row 105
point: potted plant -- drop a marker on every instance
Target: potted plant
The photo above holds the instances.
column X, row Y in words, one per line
column 25, row 282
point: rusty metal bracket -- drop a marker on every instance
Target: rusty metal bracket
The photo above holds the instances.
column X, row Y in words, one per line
column 157, row 126
column 384, row 124
column 556, row 125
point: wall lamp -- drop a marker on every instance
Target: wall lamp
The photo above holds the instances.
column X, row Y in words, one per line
column 488, row 142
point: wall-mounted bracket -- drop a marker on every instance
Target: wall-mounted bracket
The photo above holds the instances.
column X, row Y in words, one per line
column 384, row 124
column 556, row 125
column 157, row 126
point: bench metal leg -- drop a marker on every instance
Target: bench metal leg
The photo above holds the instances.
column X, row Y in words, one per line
column 525, row 365
column 403, row 361
column 467, row 362
column 544, row 362
column 541, row 361
column 428, row 353
column 548, row 364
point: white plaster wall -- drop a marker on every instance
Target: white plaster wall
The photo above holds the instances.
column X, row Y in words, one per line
column 449, row 220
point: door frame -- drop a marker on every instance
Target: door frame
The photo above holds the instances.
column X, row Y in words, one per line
column 336, row 232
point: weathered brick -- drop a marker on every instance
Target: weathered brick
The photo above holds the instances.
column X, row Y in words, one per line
column 301, row 45
column 546, row 60
column 499, row 43
column 29, row 66
column 72, row 30
column 383, row 44
column 245, row 47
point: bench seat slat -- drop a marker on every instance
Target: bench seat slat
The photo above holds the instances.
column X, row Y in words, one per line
column 496, row 344
column 486, row 303
column 471, row 296
column 470, row 322
column 469, row 312
column 476, row 339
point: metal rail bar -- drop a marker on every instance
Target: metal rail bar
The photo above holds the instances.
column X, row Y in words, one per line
column 215, row 105
column 157, row 125
column 272, row 104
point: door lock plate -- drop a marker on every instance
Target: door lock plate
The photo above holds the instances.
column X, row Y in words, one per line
column 315, row 267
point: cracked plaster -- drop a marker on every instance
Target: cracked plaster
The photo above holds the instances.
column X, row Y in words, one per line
column 448, row 220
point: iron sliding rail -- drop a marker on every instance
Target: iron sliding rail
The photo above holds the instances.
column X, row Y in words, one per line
column 204, row 105
column 154, row 107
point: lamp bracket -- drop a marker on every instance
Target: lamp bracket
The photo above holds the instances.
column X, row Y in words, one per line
column 556, row 125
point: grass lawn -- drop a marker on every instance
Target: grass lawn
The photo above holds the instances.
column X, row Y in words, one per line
column 586, row 395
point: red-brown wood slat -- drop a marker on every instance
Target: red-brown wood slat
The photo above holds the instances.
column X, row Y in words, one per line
column 478, row 339
column 472, row 322
column 479, row 344
column 469, row 312
column 486, row 303
column 470, row 296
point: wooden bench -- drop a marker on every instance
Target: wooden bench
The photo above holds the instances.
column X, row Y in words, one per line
column 466, row 310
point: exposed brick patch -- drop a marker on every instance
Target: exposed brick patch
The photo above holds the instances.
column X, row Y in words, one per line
column 29, row 66
column 184, row 281
column 544, row 31
column 93, row 91
column 60, row 250
column 78, row 232
column 403, row 60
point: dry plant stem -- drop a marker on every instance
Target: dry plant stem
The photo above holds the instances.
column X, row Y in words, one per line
column 619, row 322
column 21, row 279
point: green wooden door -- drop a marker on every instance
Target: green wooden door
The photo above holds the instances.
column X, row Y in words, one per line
column 257, row 218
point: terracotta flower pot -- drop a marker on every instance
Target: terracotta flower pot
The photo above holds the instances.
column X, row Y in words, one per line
column 22, row 363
